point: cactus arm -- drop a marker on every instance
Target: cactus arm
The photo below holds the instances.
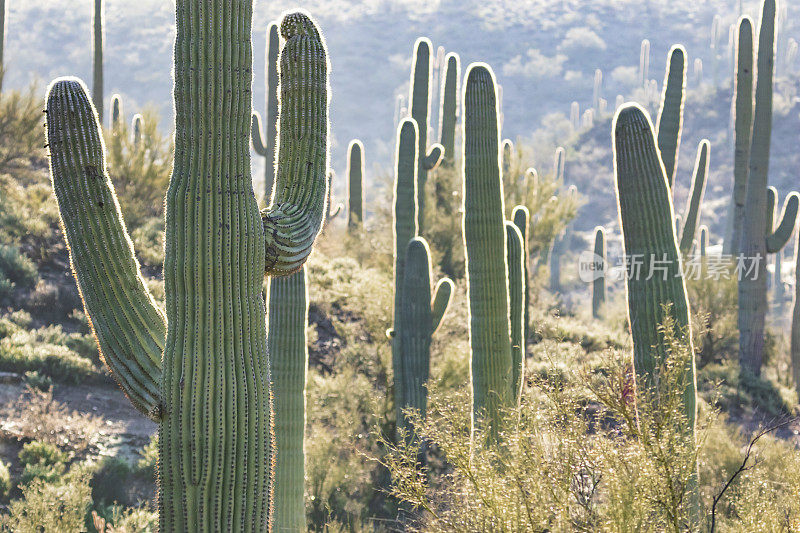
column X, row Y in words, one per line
column 355, row 185
column 447, row 118
column 97, row 66
column 129, row 328
column 516, row 298
column 419, row 103
column 743, row 123
column 777, row 239
column 692, row 214
column 294, row 219
column 288, row 358
column 259, row 146
column 521, row 217
column 434, row 157
column 272, row 82
column 670, row 115
column 485, row 241
column 441, row 302
column 772, row 201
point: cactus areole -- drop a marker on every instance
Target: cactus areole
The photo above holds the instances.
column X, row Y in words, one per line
column 203, row 373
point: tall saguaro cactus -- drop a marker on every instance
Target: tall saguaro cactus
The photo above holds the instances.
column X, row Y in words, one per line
column 420, row 109
column 522, row 219
column 287, row 345
column 97, row 65
column 210, row 390
column 449, row 108
column 485, row 241
column 758, row 239
column 422, row 313
column 516, row 300
column 355, row 185
column 670, row 116
column 599, row 282
column 691, row 216
column 262, row 148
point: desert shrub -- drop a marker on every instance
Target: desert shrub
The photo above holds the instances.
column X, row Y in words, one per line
column 148, row 460
column 38, row 452
column 117, row 519
column 35, row 380
column 148, row 242
column 17, row 267
column 20, row 127
column 110, row 480
column 5, row 480
column 714, row 304
column 52, row 360
column 41, row 472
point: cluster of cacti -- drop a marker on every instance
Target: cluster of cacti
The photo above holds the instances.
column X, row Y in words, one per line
column 758, row 236
column 262, row 148
column 599, row 283
column 287, row 318
column 355, row 185
column 97, row 65
column 203, row 373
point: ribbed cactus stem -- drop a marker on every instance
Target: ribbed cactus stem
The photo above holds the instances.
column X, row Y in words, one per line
column 287, row 344
column 266, row 146
column 421, row 315
column 449, row 108
column 420, row 109
column 753, row 282
column 670, row 115
column 691, row 216
column 116, row 112
column 355, row 185
column 521, row 218
column 97, row 66
column 599, row 282
column 138, row 130
column 646, row 215
column 485, row 240
column 743, row 123
column 129, row 328
column 405, row 229
column 516, row 299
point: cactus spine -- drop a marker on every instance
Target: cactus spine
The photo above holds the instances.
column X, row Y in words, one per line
column 421, row 316
column 743, row 124
column 420, row 108
column 516, row 299
column 287, row 319
column 267, row 149
column 521, row 218
column 355, row 185
column 97, row 66
column 599, row 283
column 449, row 108
column 485, row 241
column 757, row 237
column 692, row 214
column 211, row 393
column 670, row 116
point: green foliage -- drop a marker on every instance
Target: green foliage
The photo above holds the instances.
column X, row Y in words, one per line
column 46, row 351
column 36, row 380
column 38, row 452
column 58, row 506
column 17, row 268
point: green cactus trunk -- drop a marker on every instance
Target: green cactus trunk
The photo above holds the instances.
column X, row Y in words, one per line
column 421, row 316
column 267, row 149
column 599, row 283
column 97, row 66
column 670, row 116
column 743, row 124
column 521, row 218
column 287, row 346
column 691, row 216
column 516, row 298
column 210, row 392
column 420, row 109
column 355, row 186
column 485, row 241
column 449, row 109
column 405, row 229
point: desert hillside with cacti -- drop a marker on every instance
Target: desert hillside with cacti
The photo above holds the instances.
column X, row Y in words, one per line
column 400, row 266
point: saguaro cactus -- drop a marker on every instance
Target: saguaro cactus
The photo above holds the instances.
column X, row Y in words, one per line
column 116, row 112
column 670, row 116
column 758, row 239
column 743, row 124
column 138, row 130
column 449, row 108
column 210, row 391
column 267, row 149
column 646, row 215
column 516, row 299
column 599, row 283
column 97, row 66
column 287, row 319
column 522, row 219
column 355, row 185
column 421, row 316
column 795, row 331
column 692, row 214
column 485, row 240
column 420, row 109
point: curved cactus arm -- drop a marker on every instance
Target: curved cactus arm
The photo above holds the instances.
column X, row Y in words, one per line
column 441, row 302
column 434, row 157
column 670, row 115
column 777, row 239
column 692, row 214
column 294, row 218
column 772, row 201
column 516, row 299
column 129, row 328
column 259, row 146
